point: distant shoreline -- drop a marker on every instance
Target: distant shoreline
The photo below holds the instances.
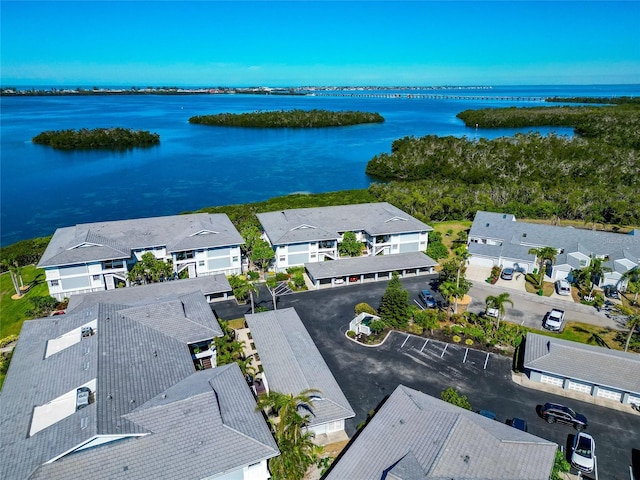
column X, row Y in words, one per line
column 296, row 91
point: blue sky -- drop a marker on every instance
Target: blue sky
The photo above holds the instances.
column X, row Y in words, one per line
column 242, row 43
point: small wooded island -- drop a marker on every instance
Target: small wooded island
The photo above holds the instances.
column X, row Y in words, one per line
column 98, row 138
column 288, row 119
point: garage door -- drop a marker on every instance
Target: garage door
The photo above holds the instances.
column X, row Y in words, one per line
column 481, row 261
column 551, row 380
column 633, row 399
column 609, row 394
column 579, row 387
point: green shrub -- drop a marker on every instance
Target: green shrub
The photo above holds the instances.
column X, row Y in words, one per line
column 282, row 277
column 366, row 308
column 415, row 329
column 253, row 275
column 452, row 396
column 7, row 340
column 298, row 279
column 351, row 334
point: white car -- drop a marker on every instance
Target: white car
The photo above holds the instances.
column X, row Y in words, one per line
column 583, row 456
column 553, row 320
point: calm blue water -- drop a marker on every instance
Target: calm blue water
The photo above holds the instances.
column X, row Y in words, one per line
column 198, row 166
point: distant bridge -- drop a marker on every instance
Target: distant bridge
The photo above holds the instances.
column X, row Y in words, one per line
column 429, row 96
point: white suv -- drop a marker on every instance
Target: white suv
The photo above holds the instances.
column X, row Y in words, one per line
column 563, row 287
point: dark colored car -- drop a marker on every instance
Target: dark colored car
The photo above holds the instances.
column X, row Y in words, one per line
column 507, row 274
column 554, row 412
column 426, row 297
column 487, row 413
column 519, row 423
column 611, row 291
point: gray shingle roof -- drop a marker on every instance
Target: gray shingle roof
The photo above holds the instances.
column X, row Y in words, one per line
column 324, row 223
column 208, row 285
column 415, row 436
column 132, row 357
column 587, row 363
column 292, row 363
column 203, row 426
column 369, row 265
column 116, row 240
column 518, row 237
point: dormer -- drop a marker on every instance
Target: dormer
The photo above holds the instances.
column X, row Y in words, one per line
column 395, row 219
column 70, row 338
column 204, row 232
column 303, row 226
column 63, row 406
column 85, row 245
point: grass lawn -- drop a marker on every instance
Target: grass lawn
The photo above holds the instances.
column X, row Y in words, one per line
column 586, row 333
column 13, row 312
column 454, row 225
column 236, row 323
column 547, row 288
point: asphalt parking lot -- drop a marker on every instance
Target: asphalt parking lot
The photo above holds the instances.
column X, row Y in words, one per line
column 367, row 375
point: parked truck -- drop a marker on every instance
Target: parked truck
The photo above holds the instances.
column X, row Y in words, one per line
column 554, row 320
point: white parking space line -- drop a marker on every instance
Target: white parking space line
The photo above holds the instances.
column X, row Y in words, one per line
column 425, row 344
column 405, row 341
column 418, row 303
column 466, row 352
column 485, row 361
column 444, row 350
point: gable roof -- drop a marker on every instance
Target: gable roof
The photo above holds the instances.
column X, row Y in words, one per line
column 292, row 363
column 136, row 353
column 518, row 238
column 415, row 436
column 328, row 223
column 205, row 425
column 117, row 239
column 369, row 265
column 136, row 295
column 606, row 367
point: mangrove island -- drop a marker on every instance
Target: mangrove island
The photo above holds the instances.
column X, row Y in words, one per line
column 288, row 119
column 98, row 138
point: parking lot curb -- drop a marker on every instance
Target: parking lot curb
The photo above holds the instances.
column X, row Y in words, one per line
column 373, row 345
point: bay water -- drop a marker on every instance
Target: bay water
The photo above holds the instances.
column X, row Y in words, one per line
column 197, row 166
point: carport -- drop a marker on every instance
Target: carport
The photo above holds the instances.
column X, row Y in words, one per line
column 365, row 269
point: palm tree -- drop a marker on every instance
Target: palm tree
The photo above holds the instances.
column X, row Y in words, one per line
column 632, row 276
column 594, row 272
column 15, row 272
column 543, row 255
column 294, row 440
column 633, row 321
column 498, row 302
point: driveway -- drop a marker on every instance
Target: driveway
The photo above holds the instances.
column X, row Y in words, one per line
column 368, row 375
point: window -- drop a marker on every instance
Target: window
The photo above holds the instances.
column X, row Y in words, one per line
column 583, row 263
column 96, row 278
column 201, row 263
column 54, row 283
column 235, row 258
column 184, row 255
column 111, row 264
column 283, row 258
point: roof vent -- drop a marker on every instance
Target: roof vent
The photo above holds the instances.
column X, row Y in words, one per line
column 487, row 225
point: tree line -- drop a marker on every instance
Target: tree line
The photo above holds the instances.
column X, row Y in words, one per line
column 98, row 138
column 592, row 177
column 288, row 119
